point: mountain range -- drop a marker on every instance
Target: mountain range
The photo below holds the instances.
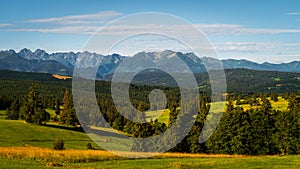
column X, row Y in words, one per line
column 64, row 62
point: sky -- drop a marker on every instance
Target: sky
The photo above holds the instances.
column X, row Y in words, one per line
column 260, row 31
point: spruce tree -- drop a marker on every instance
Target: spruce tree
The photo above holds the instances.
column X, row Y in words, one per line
column 57, row 109
column 33, row 111
column 68, row 115
column 13, row 111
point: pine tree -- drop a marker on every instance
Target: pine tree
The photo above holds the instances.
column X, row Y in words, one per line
column 292, row 102
column 33, row 111
column 13, row 111
column 229, row 106
column 68, row 115
column 57, row 109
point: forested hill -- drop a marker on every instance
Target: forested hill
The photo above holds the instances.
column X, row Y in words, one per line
column 29, row 76
column 238, row 80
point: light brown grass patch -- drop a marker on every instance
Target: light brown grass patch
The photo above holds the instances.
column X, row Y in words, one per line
column 61, row 77
column 46, row 154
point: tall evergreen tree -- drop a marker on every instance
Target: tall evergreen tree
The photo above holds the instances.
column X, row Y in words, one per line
column 33, row 111
column 68, row 115
column 13, row 112
column 57, row 108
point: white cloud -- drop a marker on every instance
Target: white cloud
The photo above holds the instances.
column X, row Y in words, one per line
column 247, row 47
column 58, row 30
column 6, row 25
column 275, row 52
column 293, row 13
column 240, row 30
column 90, row 23
column 95, row 18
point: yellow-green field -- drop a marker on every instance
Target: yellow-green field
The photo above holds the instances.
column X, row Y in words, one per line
column 281, row 104
column 33, row 157
column 162, row 116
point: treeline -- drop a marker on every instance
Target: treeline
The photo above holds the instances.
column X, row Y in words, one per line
column 258, row 131
column 32, row 110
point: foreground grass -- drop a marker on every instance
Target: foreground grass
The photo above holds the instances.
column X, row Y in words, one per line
column 31, row 157
column 73, row 156
column 289, row 162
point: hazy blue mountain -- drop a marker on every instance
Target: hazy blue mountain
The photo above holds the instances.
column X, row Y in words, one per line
column 284, row 67
column 11, row 61
column 64, row 62
column 82, row 60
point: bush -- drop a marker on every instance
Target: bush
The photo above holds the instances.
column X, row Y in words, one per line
column 89, row 146
column 59, row 144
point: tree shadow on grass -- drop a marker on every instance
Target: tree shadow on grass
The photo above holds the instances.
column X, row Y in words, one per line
column 78, row 129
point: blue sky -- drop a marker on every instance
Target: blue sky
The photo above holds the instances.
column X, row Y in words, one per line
column 254, row 30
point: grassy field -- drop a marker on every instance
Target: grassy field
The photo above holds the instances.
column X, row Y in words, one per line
column 43, row 158
column 18, row 133
column 281, row 105
column 162, row 116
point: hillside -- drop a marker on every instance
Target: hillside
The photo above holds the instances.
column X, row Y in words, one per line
column 18, row 134
column 238, row 80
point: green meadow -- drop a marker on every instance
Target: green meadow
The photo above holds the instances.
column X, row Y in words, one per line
column 274, row 162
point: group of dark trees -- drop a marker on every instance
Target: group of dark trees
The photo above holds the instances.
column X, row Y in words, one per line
column 32, row 109
column 258, row 131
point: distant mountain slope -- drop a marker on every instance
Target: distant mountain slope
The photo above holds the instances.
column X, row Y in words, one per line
column 64, row 62
column 11, row 61
column 85, row 60
column 284, row 67
column 14, row 75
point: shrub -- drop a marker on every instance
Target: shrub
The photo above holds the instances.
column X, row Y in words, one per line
column 59, row 144
column 89, row 146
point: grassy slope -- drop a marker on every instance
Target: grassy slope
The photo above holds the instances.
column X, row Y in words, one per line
column 18, row 133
